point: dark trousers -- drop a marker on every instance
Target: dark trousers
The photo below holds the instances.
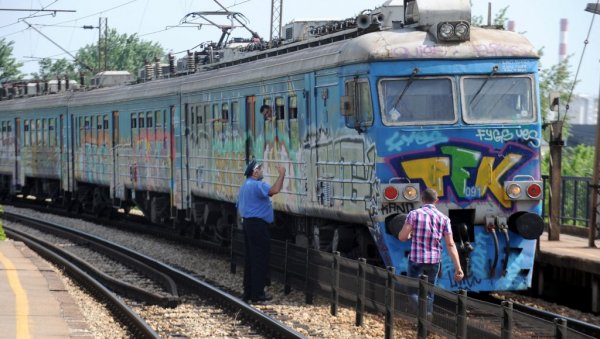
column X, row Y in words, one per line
column 415, row 270
column 258, row 247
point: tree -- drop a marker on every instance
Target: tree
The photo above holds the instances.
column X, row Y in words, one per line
column 55, row 69
column 124, row 53
column 9, row 67
column 499, row 19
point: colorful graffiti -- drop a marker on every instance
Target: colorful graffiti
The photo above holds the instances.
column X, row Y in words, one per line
column 471, row 171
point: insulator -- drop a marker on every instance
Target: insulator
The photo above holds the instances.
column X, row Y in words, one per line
column 66, row 82
column 157, row 68
column 190, row 62
column 171, row 64
column 149, row 72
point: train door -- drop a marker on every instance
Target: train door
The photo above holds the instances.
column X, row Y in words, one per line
column 250, row 127
column 311, row 136
column 189, row 117
column 16, row 172
column 115, row 185
column 174, row 168
column 64, row 158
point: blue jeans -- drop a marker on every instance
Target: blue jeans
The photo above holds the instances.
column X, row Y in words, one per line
column 415, row 270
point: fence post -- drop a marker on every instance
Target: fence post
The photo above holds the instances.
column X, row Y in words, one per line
column 389, row 303
column 287, row 288
column 232, row 266
column 335, row 283
column 360, row 291
column 461, row 315
column 560, row 328
column 507, row 319
column 308, row 297
column 422, row 312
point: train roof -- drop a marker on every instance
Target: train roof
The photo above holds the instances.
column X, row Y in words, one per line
column 345, row 47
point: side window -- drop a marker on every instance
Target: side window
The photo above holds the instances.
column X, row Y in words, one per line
column 106, row 131
column 225, row 112
column 149, row 122
column 134, row 128
column 141, row 123
column 43, row 132
column 51, row 132
column 293, row 106
column 26, row 132
column 235, row 115
column 356, row 104
column 279, row 108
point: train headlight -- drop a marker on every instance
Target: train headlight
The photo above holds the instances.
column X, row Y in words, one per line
column 410, row 193
column 461, row 30
column 453, row 31
column 534, row 191
column 390, row 193
column 513, row 191
column 446, row 31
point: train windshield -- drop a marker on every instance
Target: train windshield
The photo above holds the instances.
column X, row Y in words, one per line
column 410, row 101
column 498, row 99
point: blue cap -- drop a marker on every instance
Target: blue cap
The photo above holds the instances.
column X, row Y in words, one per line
column 251, row 167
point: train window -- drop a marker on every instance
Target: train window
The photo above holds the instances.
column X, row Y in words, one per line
column 149, row 119
column 199, row 119
column 105, row 121
column 9, row 126
column 235, row 113
column 158, row 119
column 133, row 120
column 498, row 99
column 26, row 132
column 225, row 112
column 279, row 108
column 141, row 123
column 43, row 133
column 38, row 135
column 52, row 134
column 410, row 101
column 293, row 106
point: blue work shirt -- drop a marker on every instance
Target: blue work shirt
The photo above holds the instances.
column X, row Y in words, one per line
column 254, row 200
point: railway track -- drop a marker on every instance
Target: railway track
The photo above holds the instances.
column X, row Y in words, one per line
column 171, row 278
column 527, row 320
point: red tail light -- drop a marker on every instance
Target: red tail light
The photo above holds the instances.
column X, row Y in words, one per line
column 390, row 193
column 534, row 191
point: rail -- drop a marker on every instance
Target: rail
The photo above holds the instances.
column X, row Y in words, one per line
column 366, row 287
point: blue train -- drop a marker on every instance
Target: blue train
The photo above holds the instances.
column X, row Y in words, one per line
column 367, row 112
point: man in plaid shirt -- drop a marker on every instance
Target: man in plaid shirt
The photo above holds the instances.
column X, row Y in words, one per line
column 428, row 226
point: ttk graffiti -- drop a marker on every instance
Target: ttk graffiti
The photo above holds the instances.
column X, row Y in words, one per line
column 471, row 171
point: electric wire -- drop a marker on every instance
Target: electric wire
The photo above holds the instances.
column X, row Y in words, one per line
column 585, row 43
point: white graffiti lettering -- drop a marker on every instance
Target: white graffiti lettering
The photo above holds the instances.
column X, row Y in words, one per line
column 532, row 137
column 400, row 140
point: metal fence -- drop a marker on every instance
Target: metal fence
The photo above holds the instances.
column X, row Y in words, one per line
column 575, row 200
column 365, row 287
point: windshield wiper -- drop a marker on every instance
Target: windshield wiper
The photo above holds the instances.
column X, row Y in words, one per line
column 410, row 81
column 494, row 70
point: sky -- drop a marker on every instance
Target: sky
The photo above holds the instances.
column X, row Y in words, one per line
column 538, row 20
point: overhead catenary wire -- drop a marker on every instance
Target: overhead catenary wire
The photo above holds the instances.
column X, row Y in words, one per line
column 585, row 44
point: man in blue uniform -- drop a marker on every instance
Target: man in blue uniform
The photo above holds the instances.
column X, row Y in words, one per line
column 255, row 208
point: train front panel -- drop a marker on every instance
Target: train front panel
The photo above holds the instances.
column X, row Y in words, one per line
column 471, row 130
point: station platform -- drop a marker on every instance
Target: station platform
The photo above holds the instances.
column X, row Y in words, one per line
column 568, row 264
column 35, row 303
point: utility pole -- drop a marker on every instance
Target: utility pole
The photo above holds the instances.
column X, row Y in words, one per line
column 595, row 186
column 276, row 17
column 556, row 145
column 102, row 48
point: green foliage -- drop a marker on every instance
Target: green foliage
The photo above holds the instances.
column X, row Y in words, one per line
column 124, row 53
column 52, row 69
column 557, row 78
column 576, row 161
column 9, row 67
column 499, row 19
